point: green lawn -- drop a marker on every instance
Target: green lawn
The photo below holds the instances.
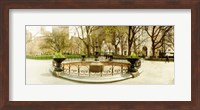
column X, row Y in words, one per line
column 47, row 57
column 39, row 57
column 160, row 59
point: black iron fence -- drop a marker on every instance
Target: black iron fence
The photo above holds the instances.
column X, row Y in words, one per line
column 104, row 66
column 84, row 68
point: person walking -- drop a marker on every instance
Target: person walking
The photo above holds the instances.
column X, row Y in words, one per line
column 167, row 58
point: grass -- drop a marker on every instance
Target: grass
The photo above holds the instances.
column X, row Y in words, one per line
column 160, row 59
column 72, row 56
column 47, row 57
column 39, row 57
column 78, row 56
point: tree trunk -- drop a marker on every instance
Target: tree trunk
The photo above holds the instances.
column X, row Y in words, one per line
column 115, row 49
column 88, row 50
column 93, row 50
column 122, row 49
column 100, row 49
column 134, row 44
column 129, row 49
column 153, row 51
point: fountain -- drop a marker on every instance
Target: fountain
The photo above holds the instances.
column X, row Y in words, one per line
column 97, row 71
column 96, row 66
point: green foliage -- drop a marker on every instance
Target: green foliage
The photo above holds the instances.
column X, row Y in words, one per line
column 39, row 57
column 140, row 53
column 160, row 59
column 133, row 55
column 92, row 56
column 77, row 56
column 58, row 55
column 112, row 33
column 73, row 56
column 57, row 41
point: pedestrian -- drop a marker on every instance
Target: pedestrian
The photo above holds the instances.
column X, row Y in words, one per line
column 167, row 58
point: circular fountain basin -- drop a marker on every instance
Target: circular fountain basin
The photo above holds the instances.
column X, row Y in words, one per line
column 96, row 71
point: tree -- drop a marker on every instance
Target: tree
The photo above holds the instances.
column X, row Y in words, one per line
column 133, row 37
column 123, row 43
column 98, row 36
column 114, row 35
column 57, row 41
column 84, row 33
column 75, row 46
column 28, row 36
column 169, row 40
column 157, row 34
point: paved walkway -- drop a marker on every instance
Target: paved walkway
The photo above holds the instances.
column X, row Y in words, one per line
column 154, row 72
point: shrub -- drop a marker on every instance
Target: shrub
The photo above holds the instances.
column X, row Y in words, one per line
column 133, row 55
column 58, row 55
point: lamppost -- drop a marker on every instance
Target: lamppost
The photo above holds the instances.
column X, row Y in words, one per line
column 96, row 52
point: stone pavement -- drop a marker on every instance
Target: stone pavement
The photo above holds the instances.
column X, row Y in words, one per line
column 154, row 72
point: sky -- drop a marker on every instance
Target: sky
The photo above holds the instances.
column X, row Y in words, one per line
column 35, row 29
